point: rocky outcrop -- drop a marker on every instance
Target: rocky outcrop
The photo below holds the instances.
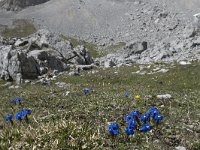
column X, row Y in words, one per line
column 36, row 55
column 19, row 4
column 183, row 47
column 180, row 49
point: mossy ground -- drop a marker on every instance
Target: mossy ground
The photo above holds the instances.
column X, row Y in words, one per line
column 78, row 121
column 20, row 28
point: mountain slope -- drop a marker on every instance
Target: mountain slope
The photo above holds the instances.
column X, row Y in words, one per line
column 19, row 4
column 108, row 19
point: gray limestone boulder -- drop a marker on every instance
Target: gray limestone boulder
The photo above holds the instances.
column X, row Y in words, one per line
column 37, row 54
column 83, row 57
column 136, row 47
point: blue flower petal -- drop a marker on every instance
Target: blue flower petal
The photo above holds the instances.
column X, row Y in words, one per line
column 115, row 132
column 126, row 94
column 128, row 117
column 18, row 116
column 16, row 100
column 146, row 128
column 135, row 113
column 132, row 124
column 9, row 117
column 129, row 131
column 145, row 117
column 153, row 111
column 86, row 90
column 158, row 118
column 113, row 128
column 25, row 112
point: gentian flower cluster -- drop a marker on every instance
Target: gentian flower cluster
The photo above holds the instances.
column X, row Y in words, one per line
column 16, row 100
column 113, row 129
column 132, row 124
column 132, row 120
column 146, row 127
column 138, row 122
column 155, row 114
column 23, row 114
column 20, row 115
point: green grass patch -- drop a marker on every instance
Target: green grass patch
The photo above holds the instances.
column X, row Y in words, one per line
column 92, row 48
column 78, row 121
column 20, row 28
column 115, row 47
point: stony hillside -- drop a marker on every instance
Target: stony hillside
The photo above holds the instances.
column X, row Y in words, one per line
column 125, row 32
column 110, row 21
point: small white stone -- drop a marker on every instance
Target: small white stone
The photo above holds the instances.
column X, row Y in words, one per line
column 165, row 96
column 67, row 93
column 14, row 87
column 27, row 81
column 184, row 63
column 180, row 148
column 162, row 106
column 163, row 70
column 61, row 84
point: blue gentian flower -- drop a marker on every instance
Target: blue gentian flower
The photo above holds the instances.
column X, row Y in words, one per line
column 128, row 117
column 22, row 113
column 158, row 118
column 132, row 124
column 25, row 112
column 86, row 90
column 16, row 100
column 9, row 117
column 145, row 117
column 126, row 94
column 146, row 128
column 113, row 128
column 129, row 130
column 135, row 114
column 18, row 116
column 153, row 111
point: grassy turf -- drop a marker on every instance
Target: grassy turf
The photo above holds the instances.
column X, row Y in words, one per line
column 92, row 48
column 79, row 121
column 20, row 28
column 114, row 48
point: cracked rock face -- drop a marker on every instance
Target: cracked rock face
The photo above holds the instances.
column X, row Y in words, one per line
column 38, row 54
column 19, row 4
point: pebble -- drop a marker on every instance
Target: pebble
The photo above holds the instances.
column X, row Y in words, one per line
column 164, row 97
column 180, row 148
